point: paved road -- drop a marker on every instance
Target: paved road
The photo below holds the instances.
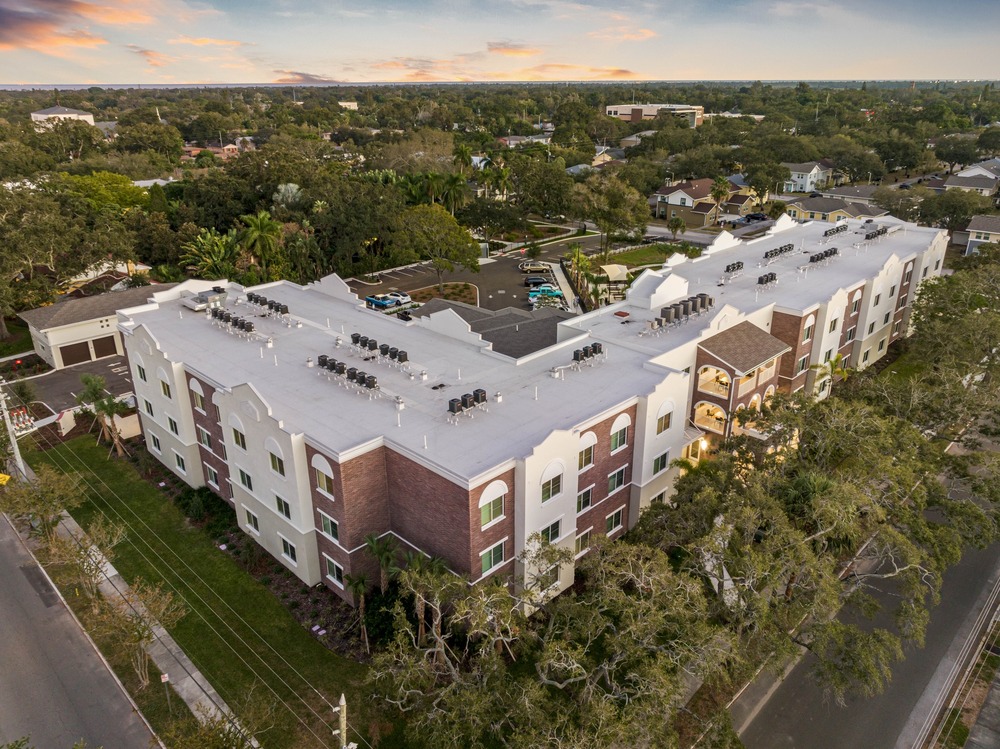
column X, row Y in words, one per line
column 797, row 716
column 57, row 389
column 53, row 686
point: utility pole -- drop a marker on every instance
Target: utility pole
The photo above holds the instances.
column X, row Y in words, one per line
column 341, row 733
column 14, row 448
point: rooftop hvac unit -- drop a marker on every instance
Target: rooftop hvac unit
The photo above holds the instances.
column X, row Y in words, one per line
column 371, row 381
column 363, row 341
column 352, row 373
column 360, row 377
column 468, row 401
column 322, row 359
column 678, row 310
column 393, row 352
column 331, row 364
column 218, row 290
column 402, row 357
column 587, row 352
column 283, row 309
column 685, row 307
column 578, row 355
column 597, row 348
column 455, row 406
column 383, row 350
column 340, row 367
column 372, row 344
column 669, row 314
column 761, row 280
column 355, row 337
column 479, row 395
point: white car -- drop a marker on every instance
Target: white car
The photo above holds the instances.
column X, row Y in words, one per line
column 401, row 297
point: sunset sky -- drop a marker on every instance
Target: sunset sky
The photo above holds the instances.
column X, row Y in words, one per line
column 307, row 41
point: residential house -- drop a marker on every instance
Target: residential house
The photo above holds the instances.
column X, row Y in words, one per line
column 863, row 194
column 809, row 176
column 693, row 202
column 982, row 229
column 988, row 168
column 831, row 210
column 631, row 141
column 986, row 186
column 323, row 422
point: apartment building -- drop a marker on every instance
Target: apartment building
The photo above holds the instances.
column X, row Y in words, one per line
column 322, row 421
column 693, row 113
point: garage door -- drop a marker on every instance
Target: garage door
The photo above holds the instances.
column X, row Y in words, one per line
column 104, row 347
column 75, row 353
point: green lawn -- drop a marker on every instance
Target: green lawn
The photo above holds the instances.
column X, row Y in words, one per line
column 20, row 340
column 647, row 255
column 233, row 622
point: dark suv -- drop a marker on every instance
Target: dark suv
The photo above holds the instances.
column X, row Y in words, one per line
column 532, row 281
column 756, row 217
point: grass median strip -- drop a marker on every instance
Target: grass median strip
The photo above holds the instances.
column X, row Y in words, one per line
column 236, row 632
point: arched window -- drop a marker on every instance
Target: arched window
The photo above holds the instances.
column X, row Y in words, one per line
column 619, row 432
column 664, row 417
column 197, row 394
column 808, row 328
column 492, row 502
column 275, row 455
column 552, row 480
column 323, row 473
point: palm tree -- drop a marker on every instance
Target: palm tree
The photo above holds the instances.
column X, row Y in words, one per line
column 358, row 585
column 831, row 370
column 503, row 180
column 433, row 183
column 211, row 255
column 417, row 574
column 107, row 409
column 261, row 238
column 384, row 550
column 454, row 192
column 93, row 392
column 675, row 225
column 719, row 192
column 463, row 157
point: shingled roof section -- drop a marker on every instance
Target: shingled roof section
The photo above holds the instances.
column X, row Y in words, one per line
column 73, row 311
column 513, row 332
column 744, row 347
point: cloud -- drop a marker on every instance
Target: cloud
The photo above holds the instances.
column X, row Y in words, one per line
column 153, row 58
column 622, row 34
column 204, row 41
column 41, row 31
column 564, row 71
column 511, row 49
column 295, row 76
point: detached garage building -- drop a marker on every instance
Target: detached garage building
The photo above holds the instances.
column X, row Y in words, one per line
column 81, row 330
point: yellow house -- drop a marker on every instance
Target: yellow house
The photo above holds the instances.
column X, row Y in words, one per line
column 831, row 209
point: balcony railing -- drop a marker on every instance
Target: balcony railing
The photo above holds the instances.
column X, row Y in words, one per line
column 712, row 423
column 715, row 385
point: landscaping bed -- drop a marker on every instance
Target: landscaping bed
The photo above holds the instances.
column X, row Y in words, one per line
column 455, row 292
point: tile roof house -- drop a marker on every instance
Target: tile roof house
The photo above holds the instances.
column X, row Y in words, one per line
column 692, row 200
column 831, row 209
column 982, row 229
column 81, row 330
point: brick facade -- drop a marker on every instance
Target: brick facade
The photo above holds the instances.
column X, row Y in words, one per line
column 790, row 329
column 216, row 457
column 606, row 463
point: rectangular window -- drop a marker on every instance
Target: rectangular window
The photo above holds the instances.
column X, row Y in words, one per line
column 149, row 406
column 239, row 438
column 845, row 363
column 165, row 389
column 283, row 507
column 619, row 439
column 908, row 276
column 583, row 542
column 871, row 328
column 663, row 423
column 828, row 355
column 324, row 483
column 204, row 437
column 277, row 464
column 155, row 442
column 885, row 320
column 807, row 333
column 584, row 499
column 878, row 298
column 252, row 521
column 172, row 425
column 246, row 480
column 334, row 572
column 199, row 401
column 881, row 345
column 548, row 578
column 141, row 371
column 923, row 273
column 330, row 527
column 892, row 291
column 851, row 333
column 937, row 264
column 833, row 324
column 614, row 521
column 659, row 498
column 856, row 307
column 179, row 460
column 491, row 511
column 616, row 480
column 864, row 356
column 288, row 550
column 213, row 475
column 660, row 462
column 551, row 534
column 902, row 302
column 802, row 364
column 492, row 557
column 551, row 488
column 897, row 327
column 586, row 458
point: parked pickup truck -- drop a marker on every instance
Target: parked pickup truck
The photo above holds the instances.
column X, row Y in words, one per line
column 380, row 301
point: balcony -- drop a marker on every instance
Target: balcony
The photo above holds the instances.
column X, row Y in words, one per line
column 756, row 378
column 710, row 417
column 714, row 381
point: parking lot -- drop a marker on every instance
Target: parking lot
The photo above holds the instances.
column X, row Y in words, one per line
column 58, row 389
